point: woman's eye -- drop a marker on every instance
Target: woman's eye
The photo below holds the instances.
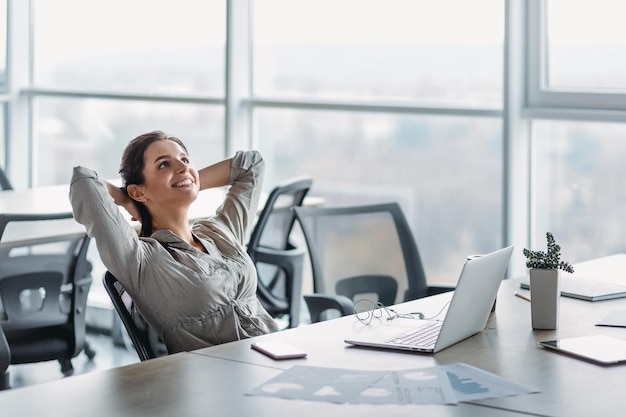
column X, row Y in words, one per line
column 163, row 164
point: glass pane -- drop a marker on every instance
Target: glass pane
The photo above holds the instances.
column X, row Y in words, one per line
column 94, row 133
column 146, row 46
column 380, row 49
column 586, row 44
column 446, row 172
column 3, row 139
column 579, row 188
column 3, row 45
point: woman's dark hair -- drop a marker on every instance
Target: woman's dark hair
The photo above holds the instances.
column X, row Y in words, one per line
column 131, row 170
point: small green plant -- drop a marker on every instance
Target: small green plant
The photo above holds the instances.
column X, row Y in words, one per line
column 549, row 260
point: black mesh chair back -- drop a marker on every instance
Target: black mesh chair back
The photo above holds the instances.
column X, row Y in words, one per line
column 44, row 283
column 364, row 252
column 279, row 263
column 5, row 184
column 145, row 339
column 5, row 361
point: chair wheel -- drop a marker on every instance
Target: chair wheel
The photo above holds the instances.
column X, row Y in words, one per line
column 89, row 351
column 5, row 381
column 66, row 367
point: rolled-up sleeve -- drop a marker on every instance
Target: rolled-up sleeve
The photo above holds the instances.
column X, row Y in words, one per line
column 242, row 199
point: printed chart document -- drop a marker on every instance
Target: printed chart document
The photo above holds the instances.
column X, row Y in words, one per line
column 471, row 383
column 447, row 384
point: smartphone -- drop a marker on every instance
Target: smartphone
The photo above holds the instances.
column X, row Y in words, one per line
column 278, row 350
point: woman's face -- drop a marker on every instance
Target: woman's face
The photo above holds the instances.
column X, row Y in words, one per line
column 169, row 176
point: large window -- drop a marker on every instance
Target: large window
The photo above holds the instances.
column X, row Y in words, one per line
column 577, row 84
column 3, row 45
column 576, row 51
column 122, row 69
column 346, row 64
column 442, row 52
column 579, row 188
column 586, row 45
column 93, row 133
column 446, row 172
column 376, row 99
column 138, row 46
column 3, row 129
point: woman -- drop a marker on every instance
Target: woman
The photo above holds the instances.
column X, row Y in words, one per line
column 195, row 285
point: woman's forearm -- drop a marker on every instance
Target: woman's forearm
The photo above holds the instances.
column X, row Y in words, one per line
column 216, row 175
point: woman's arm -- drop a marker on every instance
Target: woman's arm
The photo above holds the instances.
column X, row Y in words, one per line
column 216, row 175
column 245, row 178
column 93, row 207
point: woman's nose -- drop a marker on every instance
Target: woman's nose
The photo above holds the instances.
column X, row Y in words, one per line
column 182, row 166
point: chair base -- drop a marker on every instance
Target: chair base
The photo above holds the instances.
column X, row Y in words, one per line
column 5, row 382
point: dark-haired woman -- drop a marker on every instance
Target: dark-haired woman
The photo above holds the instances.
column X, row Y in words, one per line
column 194, row 284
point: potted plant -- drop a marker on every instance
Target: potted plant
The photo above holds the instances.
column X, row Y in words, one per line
column 545, row 288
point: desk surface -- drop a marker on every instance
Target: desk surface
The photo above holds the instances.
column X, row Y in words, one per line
column 507, row 347
column 188, row 384
column 216, row 379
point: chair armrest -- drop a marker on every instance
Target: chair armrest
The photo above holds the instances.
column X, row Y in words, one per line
column 439, row 289
column 279, row 257
column 319, row 303
column 291, row 261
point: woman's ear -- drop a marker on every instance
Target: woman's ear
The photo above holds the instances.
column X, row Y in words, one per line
column 136, row 192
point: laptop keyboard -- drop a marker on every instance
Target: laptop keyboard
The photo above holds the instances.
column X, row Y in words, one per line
column 423, row 336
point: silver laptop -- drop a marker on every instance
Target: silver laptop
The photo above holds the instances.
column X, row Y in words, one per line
column 467, row 314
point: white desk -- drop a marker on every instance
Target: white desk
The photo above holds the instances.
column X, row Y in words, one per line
column 507, row 347
column 214, row 380
column 190, row 385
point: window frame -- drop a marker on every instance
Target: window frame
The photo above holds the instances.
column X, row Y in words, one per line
column 4, row 84
column 543, row 101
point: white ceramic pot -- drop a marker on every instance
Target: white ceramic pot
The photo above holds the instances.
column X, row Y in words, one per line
column 545, row 296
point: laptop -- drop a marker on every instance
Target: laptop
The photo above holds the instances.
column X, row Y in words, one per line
column 467, row 315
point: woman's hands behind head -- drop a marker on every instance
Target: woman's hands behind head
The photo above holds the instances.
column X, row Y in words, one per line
column 121, row 198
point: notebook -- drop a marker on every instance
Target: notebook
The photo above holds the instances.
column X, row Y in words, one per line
column 467, row 315
column 600, row 349
column 586, row 289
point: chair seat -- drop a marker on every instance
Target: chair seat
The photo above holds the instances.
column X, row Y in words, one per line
column 52, row 343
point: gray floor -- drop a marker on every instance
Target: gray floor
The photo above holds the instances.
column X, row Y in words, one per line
column 108, row 355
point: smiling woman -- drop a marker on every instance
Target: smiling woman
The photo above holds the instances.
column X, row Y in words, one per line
column 195, row 285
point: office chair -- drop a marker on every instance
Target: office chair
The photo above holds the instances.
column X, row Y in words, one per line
column 145, row 339
column 5, row 361
column 279, row 263
column 364, row 252
column 44, row 282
